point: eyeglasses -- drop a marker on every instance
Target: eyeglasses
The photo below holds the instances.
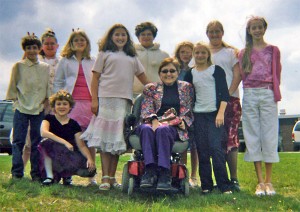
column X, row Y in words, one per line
column 165, row 71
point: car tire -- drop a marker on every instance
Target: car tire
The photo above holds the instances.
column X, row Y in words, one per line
column 296, row 147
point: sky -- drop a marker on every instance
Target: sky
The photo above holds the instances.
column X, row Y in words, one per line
column 176, row 20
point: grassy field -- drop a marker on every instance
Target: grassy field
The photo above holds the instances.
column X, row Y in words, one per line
column 24, row 195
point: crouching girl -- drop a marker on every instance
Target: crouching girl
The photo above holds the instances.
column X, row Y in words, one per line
column 63, row 153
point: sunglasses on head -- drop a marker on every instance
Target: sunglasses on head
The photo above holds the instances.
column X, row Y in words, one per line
column 165, row 71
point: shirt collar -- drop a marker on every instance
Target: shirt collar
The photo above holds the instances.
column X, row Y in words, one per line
column 30, row 63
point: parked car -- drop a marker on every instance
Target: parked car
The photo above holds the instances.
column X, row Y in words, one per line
column 242, row 147
column 6, row 124
column 296, row 136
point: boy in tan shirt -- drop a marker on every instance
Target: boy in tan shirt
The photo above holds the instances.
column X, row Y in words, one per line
column 29, row 89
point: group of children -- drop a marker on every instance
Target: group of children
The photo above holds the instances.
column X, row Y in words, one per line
column 104, row 89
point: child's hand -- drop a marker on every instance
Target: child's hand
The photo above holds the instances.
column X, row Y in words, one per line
column 69, row 146
column 219, row 120
column 90, row 164
column 95, row 105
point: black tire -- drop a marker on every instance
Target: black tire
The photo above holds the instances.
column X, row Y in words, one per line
column 296, row 147
column 125, row 179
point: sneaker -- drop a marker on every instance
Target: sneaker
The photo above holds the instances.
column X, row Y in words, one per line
column 86, row 173
column 147, row 180
column 260, row 189
column 36, row 179
column 164, row 180
column 206, row 191
column 92, row 183
column 235, row 185
column 227, row 192
column 67, row 181
column 269, row 189
column 17, row 177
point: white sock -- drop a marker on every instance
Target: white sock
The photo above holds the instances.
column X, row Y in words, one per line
column 48, row 166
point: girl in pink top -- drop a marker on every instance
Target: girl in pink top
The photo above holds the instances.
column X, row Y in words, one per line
column 112, row 84
column 74, row 74
column 260, row 70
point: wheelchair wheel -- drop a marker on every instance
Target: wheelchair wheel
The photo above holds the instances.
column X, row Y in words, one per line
column 185, row 184
column 125, row 179
column 130, row 185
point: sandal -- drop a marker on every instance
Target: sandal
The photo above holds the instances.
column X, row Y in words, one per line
column 104, row 186
column 115, row 184
column 48, row 181
column 193, row 182
column 260, row 189
column 269, row 189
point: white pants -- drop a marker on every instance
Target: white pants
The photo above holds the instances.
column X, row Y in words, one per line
column 260, row 125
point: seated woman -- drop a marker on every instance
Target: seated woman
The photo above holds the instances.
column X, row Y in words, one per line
column 158, row 139
column 63, row 153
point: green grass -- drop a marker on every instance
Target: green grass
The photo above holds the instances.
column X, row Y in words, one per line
column 24, row 195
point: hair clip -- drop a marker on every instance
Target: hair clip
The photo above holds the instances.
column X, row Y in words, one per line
column 75, row 30
column 51, row 32
column 32, row 35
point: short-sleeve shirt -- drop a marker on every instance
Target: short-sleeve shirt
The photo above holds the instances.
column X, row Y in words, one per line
column 205, row 88
column 117, row 73
column 65, row 131
column 226, row 58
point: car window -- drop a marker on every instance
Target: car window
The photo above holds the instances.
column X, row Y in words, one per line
column 6, row 113
column 297, row 127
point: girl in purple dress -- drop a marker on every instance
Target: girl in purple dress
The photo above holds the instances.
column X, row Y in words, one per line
column 63, row 153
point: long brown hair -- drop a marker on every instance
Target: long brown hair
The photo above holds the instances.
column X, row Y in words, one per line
column 106, row 43
column 246, row 60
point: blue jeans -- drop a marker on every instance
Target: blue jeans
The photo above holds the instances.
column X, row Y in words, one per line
column 20, row 125
column 208, row 140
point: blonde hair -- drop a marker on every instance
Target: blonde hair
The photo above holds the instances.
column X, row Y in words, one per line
column 206, row 47
column 246, row 60
column 68, row 50
column 61, row 95
column 177, row 50
column 218, row 24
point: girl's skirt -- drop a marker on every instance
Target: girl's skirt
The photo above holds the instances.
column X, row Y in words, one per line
column 106, row 130
column 65, row 163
